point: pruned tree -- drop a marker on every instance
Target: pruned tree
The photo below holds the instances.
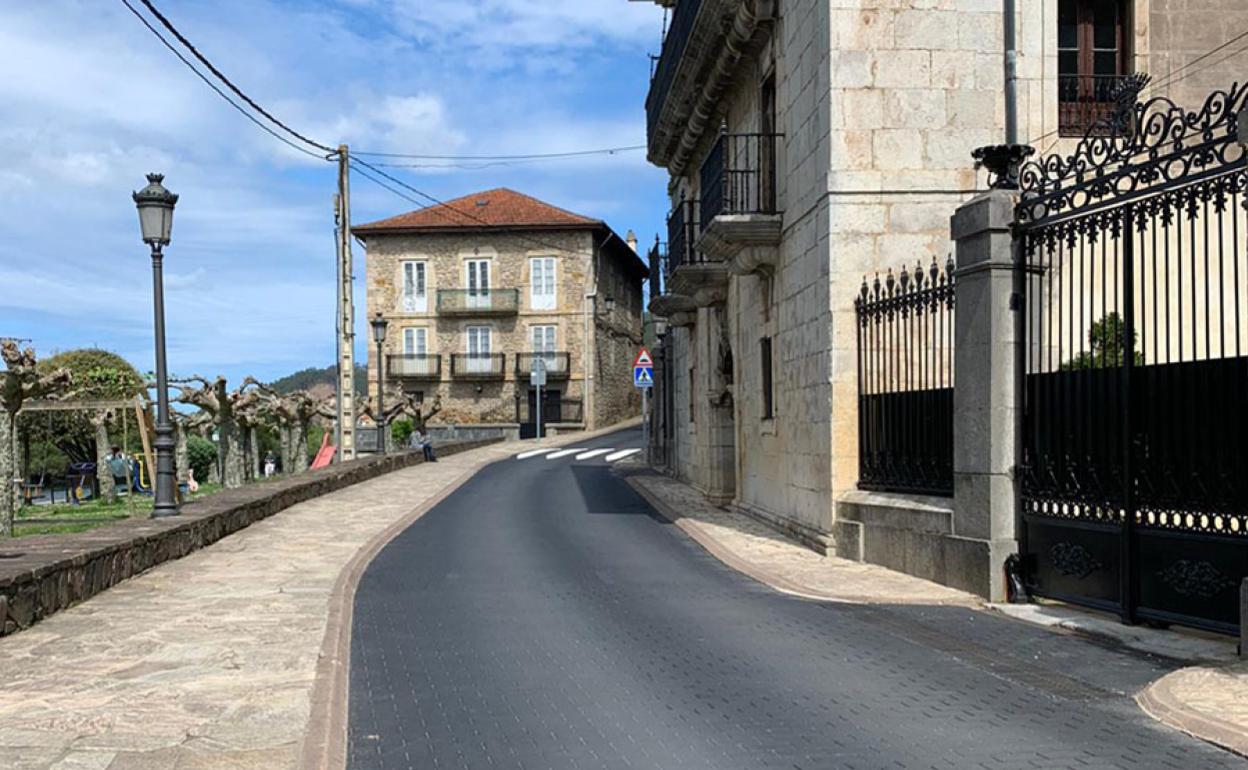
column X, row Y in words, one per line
column 21, row 381
column 212, row 397
column 404, row 405
column 295, row 412
column 100, row 420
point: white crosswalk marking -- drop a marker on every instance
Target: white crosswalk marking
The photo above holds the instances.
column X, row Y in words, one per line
column 565, row 453
column 593, row 453
column 533, row 453
column 621, row 455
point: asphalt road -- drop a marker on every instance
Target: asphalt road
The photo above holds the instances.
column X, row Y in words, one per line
column 543, row 616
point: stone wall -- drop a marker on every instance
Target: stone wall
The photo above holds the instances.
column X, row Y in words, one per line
column 41, row 575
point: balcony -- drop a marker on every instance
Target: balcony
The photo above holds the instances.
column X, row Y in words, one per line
column 741, row 221
column 707, row 48
column 558, row 365
column 674, row 45
column 692, row 273
column 1086, row 103
column 478, row 302
column 412, row 366
column 478, row 366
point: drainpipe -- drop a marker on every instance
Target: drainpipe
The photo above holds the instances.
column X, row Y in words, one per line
column 1011, row 72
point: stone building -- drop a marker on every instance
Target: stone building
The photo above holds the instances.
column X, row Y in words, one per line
column 474, row 290
column 811, row 144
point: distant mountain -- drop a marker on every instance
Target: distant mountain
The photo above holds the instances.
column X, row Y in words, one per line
column 314, row 379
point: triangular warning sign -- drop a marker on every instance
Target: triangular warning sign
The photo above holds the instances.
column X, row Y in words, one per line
column 644, row 359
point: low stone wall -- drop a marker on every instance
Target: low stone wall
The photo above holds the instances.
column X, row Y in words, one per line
column 480, row 431
column 43, row 574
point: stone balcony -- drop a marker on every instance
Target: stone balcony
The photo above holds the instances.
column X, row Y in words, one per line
column 693, row 276
column 741, row 218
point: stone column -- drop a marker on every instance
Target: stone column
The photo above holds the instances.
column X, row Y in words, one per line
column 987, row 399
column 719, row 434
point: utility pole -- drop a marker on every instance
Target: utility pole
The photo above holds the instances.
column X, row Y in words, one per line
column 346, row 311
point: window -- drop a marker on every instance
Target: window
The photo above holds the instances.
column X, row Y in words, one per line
column 544, row 342
column 542, row 283
column 478, row 280
column 415, row 341
column 415, row 297
column 1091, row 60
column 764, row 349
column 479, row 349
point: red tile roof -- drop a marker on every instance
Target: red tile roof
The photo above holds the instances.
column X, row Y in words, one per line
column 500, row 208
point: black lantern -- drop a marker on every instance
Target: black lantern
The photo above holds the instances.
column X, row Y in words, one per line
column 155, row 205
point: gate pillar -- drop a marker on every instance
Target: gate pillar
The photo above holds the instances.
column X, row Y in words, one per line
column 987, row 401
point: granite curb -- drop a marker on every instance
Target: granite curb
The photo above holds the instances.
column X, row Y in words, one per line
column 1163, row 701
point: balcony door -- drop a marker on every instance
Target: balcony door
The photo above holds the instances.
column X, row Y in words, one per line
column 479, row 361
column 415, row 293
column 1091, row 60
column 416, row 351
column 478, row 281
column 544, row 343
column 767, row 146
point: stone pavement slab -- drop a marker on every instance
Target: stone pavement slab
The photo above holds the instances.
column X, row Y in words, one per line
column 769, row 557
column 209, row 661
column 1206, row 701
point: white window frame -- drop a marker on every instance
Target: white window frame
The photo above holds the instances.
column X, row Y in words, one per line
column 477, row 281
column 415, row 294
column 545, row 341
column 416, row 341
column 543, row 283
column 479, row 360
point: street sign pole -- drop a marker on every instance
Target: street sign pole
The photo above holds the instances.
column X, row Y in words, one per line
column 537, row 378
column 643, row 380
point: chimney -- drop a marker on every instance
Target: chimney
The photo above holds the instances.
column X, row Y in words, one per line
column 631, row 240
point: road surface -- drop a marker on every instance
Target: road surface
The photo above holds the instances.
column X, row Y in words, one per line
column 543, row 616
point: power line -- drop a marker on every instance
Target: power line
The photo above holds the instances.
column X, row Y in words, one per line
column 533, row 156
column 1169, row 77
column 221, row 76
column 214, row 87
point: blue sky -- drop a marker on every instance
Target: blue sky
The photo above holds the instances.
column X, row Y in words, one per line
column 92, row 102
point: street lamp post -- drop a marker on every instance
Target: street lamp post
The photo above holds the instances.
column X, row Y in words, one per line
column 379, row 324
column 155, row 205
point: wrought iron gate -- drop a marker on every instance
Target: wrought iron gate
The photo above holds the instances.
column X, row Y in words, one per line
column 1135, row 428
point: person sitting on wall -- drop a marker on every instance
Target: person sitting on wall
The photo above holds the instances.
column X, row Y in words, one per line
column 424, row 443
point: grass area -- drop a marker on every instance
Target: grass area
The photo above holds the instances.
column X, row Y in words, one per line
column 63, row 519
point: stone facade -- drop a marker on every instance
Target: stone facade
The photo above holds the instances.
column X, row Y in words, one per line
column 596, row 388
column 879, row 104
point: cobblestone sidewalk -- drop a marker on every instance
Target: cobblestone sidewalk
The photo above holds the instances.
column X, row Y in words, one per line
column 1210, row 702
column 209, row 661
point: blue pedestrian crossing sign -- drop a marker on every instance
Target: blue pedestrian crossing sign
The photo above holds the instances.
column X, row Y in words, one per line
column 643, row 370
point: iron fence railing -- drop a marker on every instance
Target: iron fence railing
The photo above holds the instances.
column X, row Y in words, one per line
column 478, row 301
column 739, row 176
column 905, row 382
column 558, row 365
column 478, row 366
column 1087, row 102
column 414, row 366
column 683, row 20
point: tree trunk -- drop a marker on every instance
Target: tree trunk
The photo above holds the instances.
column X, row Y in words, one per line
column 299, row 439
column 108, row 490
column 8, row 467
column 283, row 439
column 232, row 467
column 182, row 455
column 255, row 452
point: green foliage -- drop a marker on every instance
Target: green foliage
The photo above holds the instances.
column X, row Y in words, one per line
column 201, row 453
column 401, row 431
column 316, row 434
column 1106, row 350
column 307, row 378
column 97, row 374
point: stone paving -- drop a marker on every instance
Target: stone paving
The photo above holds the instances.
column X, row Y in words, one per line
column 765, row 554
column 208, row 661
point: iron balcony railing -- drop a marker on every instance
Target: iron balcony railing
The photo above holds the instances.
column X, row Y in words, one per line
column 478, row 301
column 414, row 366
column 739, row 176
column 478, row 366
column 558, row 365
column 1087, row 103
column 683, row 20
column 682, row 235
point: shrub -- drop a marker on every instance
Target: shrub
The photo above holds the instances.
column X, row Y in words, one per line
column 201, row 453
column 401, row 431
